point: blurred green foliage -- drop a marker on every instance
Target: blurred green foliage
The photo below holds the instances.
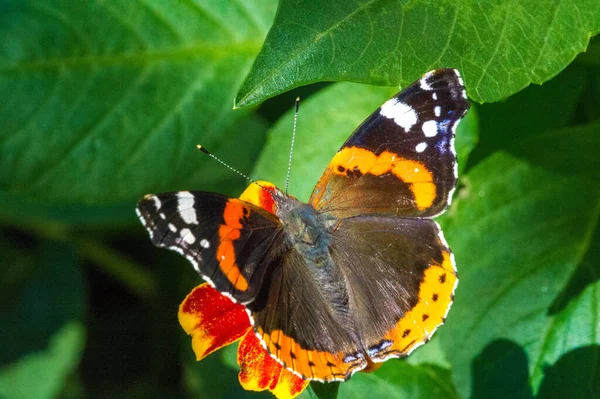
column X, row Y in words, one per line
column 104, row 101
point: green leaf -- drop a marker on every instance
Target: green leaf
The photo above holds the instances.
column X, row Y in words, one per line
column 43, row 303
column 501, row 47
column 106, row 101
column 530, row 112
column 587, row 272
column 398, row 379
column 42, row 374
column 518, row 232
column 433, row 354
column 577, row 326
column 569, row 363
column 210, row 378
column 575, row 375
column 47, row 292
column 323, row 126
column 564, row 150
column 500, row 371
column 320, row 390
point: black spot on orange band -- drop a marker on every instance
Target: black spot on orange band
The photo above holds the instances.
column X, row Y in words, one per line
column 418, row 324
column 310, row 364
column 356, row 161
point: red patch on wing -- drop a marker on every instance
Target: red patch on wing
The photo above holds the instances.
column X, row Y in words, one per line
column 260, row 194
column 259, row 371
column 212, row 320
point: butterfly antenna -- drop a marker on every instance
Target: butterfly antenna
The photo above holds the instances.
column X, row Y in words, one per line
column 210, row 154
column 287, row 178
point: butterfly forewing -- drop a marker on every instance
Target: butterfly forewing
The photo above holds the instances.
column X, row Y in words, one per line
column 227, row 240
column 401, row 160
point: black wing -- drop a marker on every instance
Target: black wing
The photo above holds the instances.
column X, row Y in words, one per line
column 230, row 242
column 401, row 160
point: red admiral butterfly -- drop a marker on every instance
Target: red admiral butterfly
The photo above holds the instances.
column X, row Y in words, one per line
column 361, row 273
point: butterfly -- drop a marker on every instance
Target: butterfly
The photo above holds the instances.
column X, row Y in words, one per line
column 359, row 274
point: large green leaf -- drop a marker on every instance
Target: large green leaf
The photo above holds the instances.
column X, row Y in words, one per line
column 518, row 232
column 500, row 46
column 324, row 123
column 106, row 101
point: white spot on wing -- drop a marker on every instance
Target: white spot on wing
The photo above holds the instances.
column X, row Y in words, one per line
column 450, row 194
column 185, row 206
column 430, row 128
column 434, row 96
column 421, row 147
column 177, row 249
column 172, row 227
column 187, row 236
column 402, row 114
column 157, row 202
column 204, row 243
column 460, row 80
column 194, row 263
column 423, row 82
column 437, row 110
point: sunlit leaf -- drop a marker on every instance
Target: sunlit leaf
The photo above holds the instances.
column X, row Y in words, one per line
column 500, row 46
column 518, row 232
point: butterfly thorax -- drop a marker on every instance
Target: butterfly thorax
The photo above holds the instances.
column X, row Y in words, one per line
column 306, row 229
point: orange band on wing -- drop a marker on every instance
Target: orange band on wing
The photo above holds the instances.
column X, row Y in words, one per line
column 228, row 233
column 436, row 294
column 353, row 161
column 311, row 364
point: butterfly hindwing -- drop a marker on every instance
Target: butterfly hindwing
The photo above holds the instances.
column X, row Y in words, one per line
column 228, row 241
column 305, row 324
column 388, row 287
column 403, row 277
column 401, row 160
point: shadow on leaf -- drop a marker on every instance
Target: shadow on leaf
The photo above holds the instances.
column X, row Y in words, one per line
column 575, row 375
column 501, row 372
